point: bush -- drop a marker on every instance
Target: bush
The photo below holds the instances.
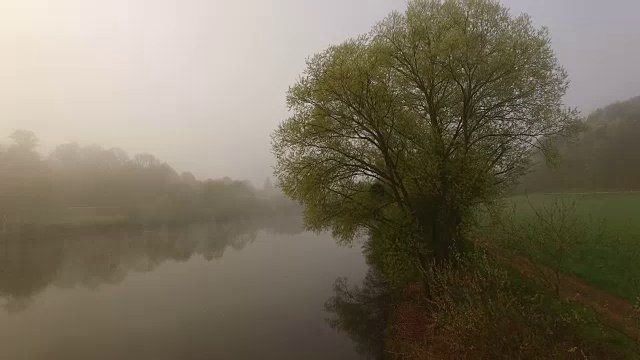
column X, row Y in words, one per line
column 476, row 312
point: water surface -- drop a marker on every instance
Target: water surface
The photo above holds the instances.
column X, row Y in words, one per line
column 207, row 291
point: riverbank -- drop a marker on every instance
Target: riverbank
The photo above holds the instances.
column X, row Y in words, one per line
column 482, row 308
column 487, row 310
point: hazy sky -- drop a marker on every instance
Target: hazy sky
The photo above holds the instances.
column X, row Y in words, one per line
column 201, row 83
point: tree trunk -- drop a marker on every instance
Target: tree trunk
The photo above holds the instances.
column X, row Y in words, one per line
column 445, row 231
column 4, row 223
column 438, row 226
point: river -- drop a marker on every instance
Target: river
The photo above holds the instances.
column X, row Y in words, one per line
column 206, row 291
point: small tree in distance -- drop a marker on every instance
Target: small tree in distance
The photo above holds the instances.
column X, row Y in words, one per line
column 436, row 110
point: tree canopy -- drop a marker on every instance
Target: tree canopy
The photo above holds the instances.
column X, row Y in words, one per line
column 90, row 184
column 599, row 159
column 437, row 109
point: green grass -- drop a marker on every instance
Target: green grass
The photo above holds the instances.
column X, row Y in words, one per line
column 590, row 327
column 609, row 257
column 620, row 210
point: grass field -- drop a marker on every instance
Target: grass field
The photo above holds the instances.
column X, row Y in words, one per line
column 608, row 256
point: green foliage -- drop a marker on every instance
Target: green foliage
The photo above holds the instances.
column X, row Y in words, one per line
column 393, row 255
column 436, row 110
column 599, row 160
column 90, row 185
column 477, row 310
column 23, row 177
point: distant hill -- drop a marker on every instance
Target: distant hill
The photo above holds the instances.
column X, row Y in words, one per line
column 606, row 156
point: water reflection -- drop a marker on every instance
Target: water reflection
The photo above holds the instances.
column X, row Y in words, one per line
column 35, row 259
column 362, row 312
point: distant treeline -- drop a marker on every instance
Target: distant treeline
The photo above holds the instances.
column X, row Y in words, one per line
column 89, row 184
column 606, row 157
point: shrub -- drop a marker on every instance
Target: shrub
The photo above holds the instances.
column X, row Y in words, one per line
column 476, row 312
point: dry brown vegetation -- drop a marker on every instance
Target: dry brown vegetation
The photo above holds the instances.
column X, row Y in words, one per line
column 476, row 312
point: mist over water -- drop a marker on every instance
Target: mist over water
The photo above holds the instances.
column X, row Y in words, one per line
column 223, row 291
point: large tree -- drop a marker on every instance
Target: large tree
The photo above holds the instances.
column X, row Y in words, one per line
column 23, row 177
column 434, row 111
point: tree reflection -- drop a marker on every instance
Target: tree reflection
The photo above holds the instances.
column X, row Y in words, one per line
column 362, row 312
column 37, row 258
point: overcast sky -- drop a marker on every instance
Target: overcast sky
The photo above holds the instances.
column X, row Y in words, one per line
column 201, row 83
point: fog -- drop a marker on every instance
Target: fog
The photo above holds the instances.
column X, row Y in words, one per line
column 201, row 84
column 412, row 206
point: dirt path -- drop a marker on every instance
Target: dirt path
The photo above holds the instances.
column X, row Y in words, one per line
column 612, row 311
